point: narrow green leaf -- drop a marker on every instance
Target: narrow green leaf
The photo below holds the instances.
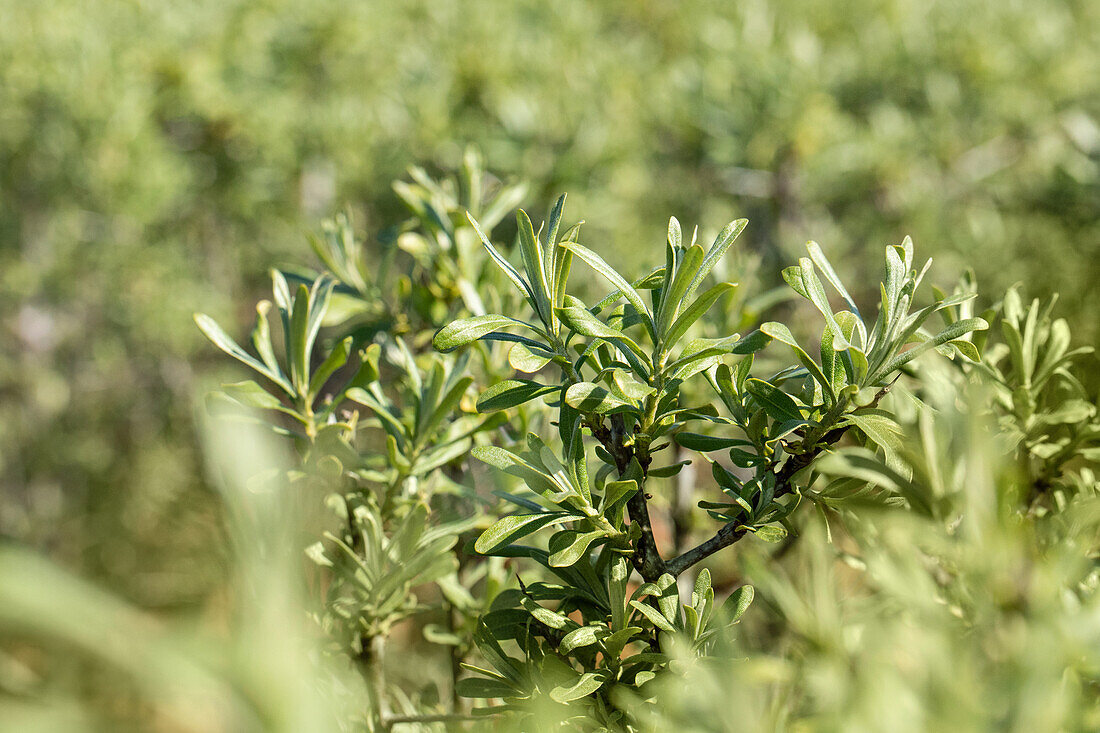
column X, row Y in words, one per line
column 585, row 685
column 702, row 585
column 589, row 397
column 707, row 443
column 553, row 619
column 523, row 358
column 952, row 332
column 781, row 333
column 261, row 337
column 389, row 421
column 565, row 266
column 777, row 403
column 668, row 471
column 618, row 574
column 967, row 349
column 615, row 491
column 877, row 426
column 319, row 295
column 434, row 458
column 482, row 687
column 537, row 277
column 298, row 341
column 738, row 602
column 862, row 464
column 655, row 617
column 672, row 298
column 894, row 281
column 668, row 601
column 495, row 456
column 815, row 291
column 793, row 277
column 827, row 270
column 698, row 349
column 504, row 264
column 445, row 405
column 222, row 340
column 281, row 292
column 336, row 359
column 551, row 253
column 582, row 637
column 567, row 547
column 721, row 243
column 581, row 321
column 599, row 265
column 695, row 311
column 509, row 529
column 510, row 393
column 674, row 236
column 771, row 533
column 625, row 386
column 465, row 330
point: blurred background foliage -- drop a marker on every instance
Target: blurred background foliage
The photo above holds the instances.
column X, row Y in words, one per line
column 156, row 157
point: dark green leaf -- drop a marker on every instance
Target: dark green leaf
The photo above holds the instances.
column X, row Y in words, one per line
column 332, row 362
column 525, row 359
column 777, row 403
column 696, row 310
column 771, row 533
column 707, row 443
column 222, row 340
column 482, row 687
column 533, row 264
column 952, row 332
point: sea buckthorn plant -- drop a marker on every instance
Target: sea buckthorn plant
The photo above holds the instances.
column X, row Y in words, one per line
column 622, row 366
column 552, row 595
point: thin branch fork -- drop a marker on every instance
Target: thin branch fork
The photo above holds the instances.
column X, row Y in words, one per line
column 646, row 558
column 725, row 537
column 732, row 532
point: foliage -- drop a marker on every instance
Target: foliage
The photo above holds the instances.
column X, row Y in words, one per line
column 623, row 369
column 157, row 157
column 151, row 154
column 629, row 398
column 547, row 579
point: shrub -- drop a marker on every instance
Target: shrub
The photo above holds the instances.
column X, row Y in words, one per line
column 944, row 578
column 619, row 382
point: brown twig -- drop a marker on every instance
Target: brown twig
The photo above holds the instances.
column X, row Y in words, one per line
column 734, row 531
column 646, row 558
